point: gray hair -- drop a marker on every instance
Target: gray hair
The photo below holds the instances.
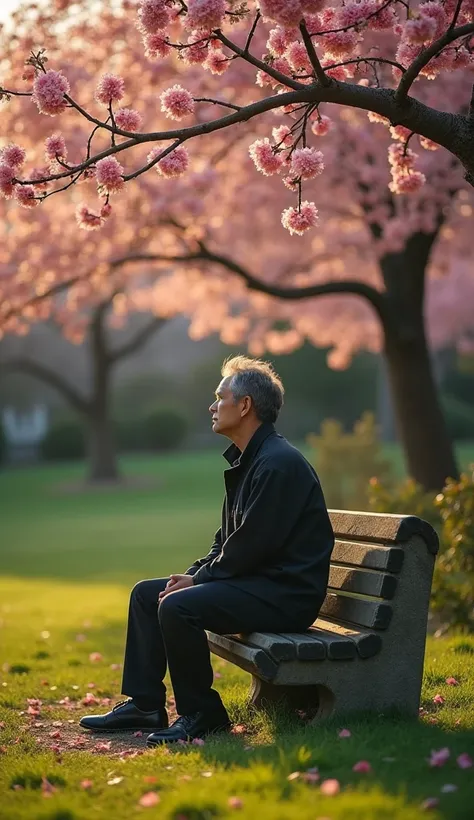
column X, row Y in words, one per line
column 257, row 379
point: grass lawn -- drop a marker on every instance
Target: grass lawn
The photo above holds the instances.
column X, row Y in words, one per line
column 67, row 562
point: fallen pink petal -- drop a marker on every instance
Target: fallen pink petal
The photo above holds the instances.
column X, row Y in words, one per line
column 86, row 784
column 198, row 741
column 138, row 734
column 95, row 657
column 345, row 733
column 464, row 761
column 235, row 803
column 330, row 787
column 47, row 788
column 429, row 803
column 362, row 767
column 149, row 800
column 452, row 682
column 438, row 699
column 439, row 757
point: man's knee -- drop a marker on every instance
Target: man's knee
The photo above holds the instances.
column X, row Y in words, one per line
column 146, row 592
column 173, row 605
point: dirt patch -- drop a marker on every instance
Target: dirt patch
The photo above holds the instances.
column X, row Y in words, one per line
column 124, row 484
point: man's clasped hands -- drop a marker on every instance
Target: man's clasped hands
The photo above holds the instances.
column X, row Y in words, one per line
column 176, row 582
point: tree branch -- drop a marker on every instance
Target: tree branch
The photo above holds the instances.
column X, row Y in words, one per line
column 140, row 338
column 425, row 56
column 471, row 108
column 47, row 375
column 313, row 57
column 375, row 297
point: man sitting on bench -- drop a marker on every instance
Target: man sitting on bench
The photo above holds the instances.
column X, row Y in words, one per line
column 267, row 570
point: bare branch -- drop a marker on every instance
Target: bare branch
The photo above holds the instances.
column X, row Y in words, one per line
column 139, row 339
column 425, row 56
column 251, row 33
column 268, row 69
column 313, row 57
column 49, row 376
column 217, row 102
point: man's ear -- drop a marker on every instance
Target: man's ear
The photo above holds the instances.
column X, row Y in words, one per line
column 247, row 406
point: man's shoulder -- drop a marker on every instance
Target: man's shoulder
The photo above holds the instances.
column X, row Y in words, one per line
column 279, row 454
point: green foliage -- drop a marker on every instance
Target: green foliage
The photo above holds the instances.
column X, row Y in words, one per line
column 345, row 462
column 459, row 417
column 3, row 443
column 165, row 428
column 64, row 440
column 451, row 512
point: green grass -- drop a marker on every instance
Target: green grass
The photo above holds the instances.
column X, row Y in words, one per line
column 68, row 561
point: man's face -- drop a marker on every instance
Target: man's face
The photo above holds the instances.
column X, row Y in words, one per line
column 226, row 414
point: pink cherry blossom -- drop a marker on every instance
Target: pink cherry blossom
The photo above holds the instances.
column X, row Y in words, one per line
column 266, row 160
column 306, row 163
column 297, row 57
column 152, row 15
column 109, row 89
column 13, row 155
column 26, row 196
column 109, row 175
column 105, row 212
column 330, row 787
column 173, row 164
column 156, row 45
column 356, row 12
column 7, row 175
column 196, row 51
column 128, row 119
column 48, row 92
column 86, row 784
column 299, row 221
column 216, row 62
column 362, row 767
column 177, row 102
column 235, row 803
column 278, row 41
column 55, row 147
column 320, row 125
column 345, row 733
column 464, row 761
column 149, row 800
column 400, row 157
column 205, row 14
column 439, row 757
column 436, row 11
column 452, row 681
column 419, row 30
column 286, row 12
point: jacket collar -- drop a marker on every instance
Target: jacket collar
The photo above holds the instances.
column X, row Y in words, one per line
column 237, row 458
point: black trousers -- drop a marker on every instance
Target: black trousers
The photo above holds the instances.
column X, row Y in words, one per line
column 172, row 634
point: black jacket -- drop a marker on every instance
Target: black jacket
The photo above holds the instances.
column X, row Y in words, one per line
column 275, row 539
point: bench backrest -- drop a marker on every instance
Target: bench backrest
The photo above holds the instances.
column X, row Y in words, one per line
column 380, row 563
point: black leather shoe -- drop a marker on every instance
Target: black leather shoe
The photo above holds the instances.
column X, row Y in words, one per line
column 124, row 716
column 190, row 727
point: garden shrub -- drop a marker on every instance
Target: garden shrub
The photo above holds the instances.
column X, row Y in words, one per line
column 164, row 428
column 64, row 440
column 451, row 512
column 345, row 462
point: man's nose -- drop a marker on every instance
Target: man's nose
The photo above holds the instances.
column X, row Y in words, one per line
column 213, row 407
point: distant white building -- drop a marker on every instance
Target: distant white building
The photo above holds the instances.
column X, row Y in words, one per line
column 24, row 432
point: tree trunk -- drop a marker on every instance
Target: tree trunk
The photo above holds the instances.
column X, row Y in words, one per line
column 102, row 456
column 103, row 464
column 427, row 444
column 420, row 422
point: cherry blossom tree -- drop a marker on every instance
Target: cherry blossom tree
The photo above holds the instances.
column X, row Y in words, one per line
column 381, row 222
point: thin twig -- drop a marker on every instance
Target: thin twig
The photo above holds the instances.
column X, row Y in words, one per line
column 313, row 57
column 218, row 102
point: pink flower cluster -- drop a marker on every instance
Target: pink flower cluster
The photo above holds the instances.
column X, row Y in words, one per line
column 405, row 180
column 152, row 15
column 109, row 175
column 177, row 102
column 266, row 159
column 299, row 220
column 156, row 45
column 7, row 175
column 306, row 163
column 49, row 89
column 205, row 14
column 174, row 164
column 26, row 196
column 128, row 119
column 197, row 49
column 55, row 147
column 320, row 125
column 109, row 89
column 13, row 155
column 286, row 12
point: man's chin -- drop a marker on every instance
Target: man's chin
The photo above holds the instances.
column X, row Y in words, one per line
column 216, row 428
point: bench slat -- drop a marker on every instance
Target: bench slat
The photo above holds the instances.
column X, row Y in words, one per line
column 371, row 614
column 307, row 646
column 338, row 647
column 382, row 528
column 364, row 582
column 370, row 556
column 277, row 646
column 253, row 660
column 367, row 643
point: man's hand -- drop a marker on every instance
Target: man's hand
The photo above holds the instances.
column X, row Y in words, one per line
column 176, row 582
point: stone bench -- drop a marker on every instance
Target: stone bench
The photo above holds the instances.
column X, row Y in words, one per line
column 365, row 651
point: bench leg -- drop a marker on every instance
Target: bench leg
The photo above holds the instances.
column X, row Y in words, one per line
column 316, row 701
